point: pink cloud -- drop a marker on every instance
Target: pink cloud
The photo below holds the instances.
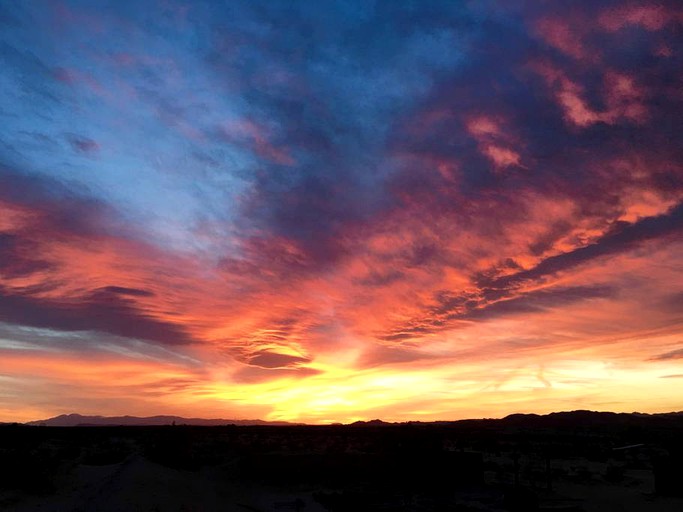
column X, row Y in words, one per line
column 569, row 95
column 493, row 142
column 565, row 36
column 663, row 50
column 501, row 157
column 650, row 17
column 483, row 126
column 624, row 100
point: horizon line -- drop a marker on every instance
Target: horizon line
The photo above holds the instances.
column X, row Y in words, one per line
column 331, row 423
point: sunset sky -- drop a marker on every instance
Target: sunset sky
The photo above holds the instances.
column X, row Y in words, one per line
column 329, row 211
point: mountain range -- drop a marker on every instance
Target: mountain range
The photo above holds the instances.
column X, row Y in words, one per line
column 77, row 420
column 556, row 419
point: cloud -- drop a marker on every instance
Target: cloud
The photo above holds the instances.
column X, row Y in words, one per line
column 564, row 36
column 650, row 17
column 621, row 238
column 16, row 259
column 268, row 359
column 97, row 312
column 257, row 374
column 121, row 290
column 82, row 144
column 673, row 354
column 40, row 216
column 381, row 356
column 492, row 141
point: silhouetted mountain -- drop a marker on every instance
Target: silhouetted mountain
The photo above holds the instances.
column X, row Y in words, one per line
column 583, row 418
column 566, row 419
column 74, row 420
column 370, row 423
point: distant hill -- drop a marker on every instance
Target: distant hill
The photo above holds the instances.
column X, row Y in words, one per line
column 588, row 418
column 371, row 423
column 556, row 420
column 77, row 420
column 574, row 420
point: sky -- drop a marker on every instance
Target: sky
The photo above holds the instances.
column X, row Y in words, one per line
column 340, row 210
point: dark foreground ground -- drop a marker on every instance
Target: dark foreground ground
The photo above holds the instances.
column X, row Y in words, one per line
column 564, row 462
